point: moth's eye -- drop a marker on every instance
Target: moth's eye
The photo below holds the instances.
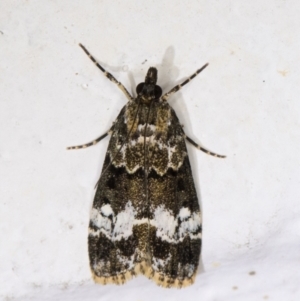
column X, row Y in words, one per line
column 139, row 88
column 157, row 91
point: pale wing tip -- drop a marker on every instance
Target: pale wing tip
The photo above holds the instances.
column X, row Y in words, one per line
column 142, row 268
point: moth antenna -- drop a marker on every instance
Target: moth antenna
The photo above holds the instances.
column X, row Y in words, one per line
column 107, row 74
column 90, row 143
column 203, row 149
column 178, row 87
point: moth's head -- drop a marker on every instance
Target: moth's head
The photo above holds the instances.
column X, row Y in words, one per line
column 148, row 91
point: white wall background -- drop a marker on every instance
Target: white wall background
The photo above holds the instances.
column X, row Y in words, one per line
column 244, row 105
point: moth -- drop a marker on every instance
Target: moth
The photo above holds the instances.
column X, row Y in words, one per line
column 145, row 217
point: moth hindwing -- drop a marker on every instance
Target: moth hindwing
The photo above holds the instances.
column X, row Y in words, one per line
column 146, row 216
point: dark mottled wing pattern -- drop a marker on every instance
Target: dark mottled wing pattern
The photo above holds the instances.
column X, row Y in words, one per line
column 146, row 217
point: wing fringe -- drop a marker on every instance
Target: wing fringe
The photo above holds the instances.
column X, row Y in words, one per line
column 144, row 269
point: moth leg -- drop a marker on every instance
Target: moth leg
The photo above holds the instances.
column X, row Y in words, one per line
column 90, row 143
column 107, row 74
column 202, row 148
column 178, row 87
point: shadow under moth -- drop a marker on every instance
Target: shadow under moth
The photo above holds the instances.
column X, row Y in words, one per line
column 145, row 217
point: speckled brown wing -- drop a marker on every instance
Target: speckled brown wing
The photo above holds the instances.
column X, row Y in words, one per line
column 145, row 216
column 175, row 218
column 112, row 241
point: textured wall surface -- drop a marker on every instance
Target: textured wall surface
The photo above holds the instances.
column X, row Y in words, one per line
column 244, row 105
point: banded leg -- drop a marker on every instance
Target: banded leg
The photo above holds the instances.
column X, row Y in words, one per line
column 107, row 74
column 202, row 148
column 90, row 143
column 178, row 87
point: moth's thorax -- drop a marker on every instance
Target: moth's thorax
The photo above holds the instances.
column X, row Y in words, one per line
column 136, row 114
